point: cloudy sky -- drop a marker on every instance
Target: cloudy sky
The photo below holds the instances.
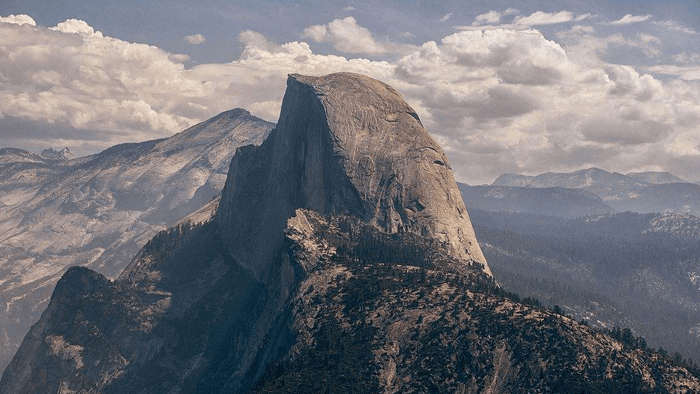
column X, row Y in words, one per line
column 529, row 86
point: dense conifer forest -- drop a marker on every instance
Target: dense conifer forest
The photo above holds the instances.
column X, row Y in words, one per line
column 610, row 270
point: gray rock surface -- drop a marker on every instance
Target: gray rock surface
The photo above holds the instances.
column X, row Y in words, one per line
column 99, row 210
column 344, row 143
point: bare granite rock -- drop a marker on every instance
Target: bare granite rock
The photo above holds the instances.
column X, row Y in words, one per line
column 99, row 210
column 344, row 143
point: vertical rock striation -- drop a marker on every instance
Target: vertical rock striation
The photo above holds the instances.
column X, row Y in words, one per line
column 344, row 144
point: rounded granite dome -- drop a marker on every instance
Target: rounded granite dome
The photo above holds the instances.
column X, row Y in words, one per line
column 344, row 143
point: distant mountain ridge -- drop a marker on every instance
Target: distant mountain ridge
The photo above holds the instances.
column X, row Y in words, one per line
column 585, row 177
column 98, row 210
column 644, row 192
column 63, row 154
column 553, row 201
column 656, row 178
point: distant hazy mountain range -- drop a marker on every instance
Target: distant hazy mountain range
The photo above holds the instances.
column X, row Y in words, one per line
column 58, row 211
column 553, row 201
column 644, row 192
column 640, row 271
column 568, row 239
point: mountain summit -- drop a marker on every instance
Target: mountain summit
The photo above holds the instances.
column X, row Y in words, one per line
column 344, row 143
column 99, row 210
column 63, row 154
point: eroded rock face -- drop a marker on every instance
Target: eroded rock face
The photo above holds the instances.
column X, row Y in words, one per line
column 344, row 143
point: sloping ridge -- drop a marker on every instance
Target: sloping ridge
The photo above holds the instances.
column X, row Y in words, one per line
column 344, row 143
column 99, row 210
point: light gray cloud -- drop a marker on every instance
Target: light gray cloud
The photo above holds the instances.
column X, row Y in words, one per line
column 687, row 73
column 625, row 132
column 195, row 39
column 586, row 47
column 687, row 57
column 446, row 17
column 583, row 17
column 675, row 26
column 544, row 18
column 493, row 17
column 491, row 20
column 629, row 19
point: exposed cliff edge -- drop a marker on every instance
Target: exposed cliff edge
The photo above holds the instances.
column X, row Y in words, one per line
column 344, row 143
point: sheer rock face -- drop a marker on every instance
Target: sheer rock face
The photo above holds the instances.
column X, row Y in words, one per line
column 349, row 144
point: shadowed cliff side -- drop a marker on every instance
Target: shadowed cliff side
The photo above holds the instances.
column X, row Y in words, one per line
column 344, row 143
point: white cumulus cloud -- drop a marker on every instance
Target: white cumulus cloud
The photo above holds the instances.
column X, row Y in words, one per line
column 514, row 100
column 18, row 20
column 629, row 19
column 98, row 91
column 195, row 39
column 349, row 37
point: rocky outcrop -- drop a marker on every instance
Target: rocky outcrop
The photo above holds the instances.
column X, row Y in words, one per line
column 375, row 325
column 344, row 143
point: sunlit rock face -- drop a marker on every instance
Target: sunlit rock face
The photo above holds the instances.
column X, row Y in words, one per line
column 344, row 143
column 57, row 211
